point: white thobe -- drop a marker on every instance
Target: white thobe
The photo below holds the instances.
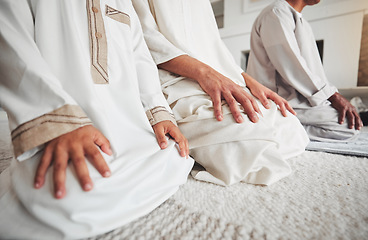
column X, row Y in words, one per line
column 284, row 57
column 64, row 65
column 228, row 152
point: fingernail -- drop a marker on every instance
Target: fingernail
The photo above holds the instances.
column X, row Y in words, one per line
column 220, row 117
column 37, row 185
column 239, row 119
column 106, row 174
column 255, row 118
column 87, row 186
column 59, row 194
column 162, row 145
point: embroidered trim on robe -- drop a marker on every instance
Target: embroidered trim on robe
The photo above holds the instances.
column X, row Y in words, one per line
column 47, row 127
column 98, row 43
column 159, row 114
column 117, row 15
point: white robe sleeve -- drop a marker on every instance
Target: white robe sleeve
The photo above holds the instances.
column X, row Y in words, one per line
column 162, row 50
column 281, row 45
column 37, row 106
column 153, row 100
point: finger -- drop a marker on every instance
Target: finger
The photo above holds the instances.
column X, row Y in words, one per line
column 97, row 160
column 289, row 108
column 187, row 148
column 217, row 107
column 43, row 166
column 351, row 119
column 183, row 148
column 181, row 140
column 249, row 109
column 281, row 105
column 358, row 121
column 79, row 162
column 234, row 108
column 161, row 136
column 342, row 114
column 103, row 143
column 255, row 106
column 281, row 101
column 59, row 173
column 264, row 101
column 283, row 109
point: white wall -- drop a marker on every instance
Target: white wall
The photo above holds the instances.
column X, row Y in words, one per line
column 337, row 22
column 341, row 57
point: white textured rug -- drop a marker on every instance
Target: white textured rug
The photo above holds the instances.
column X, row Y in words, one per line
column 326, row 197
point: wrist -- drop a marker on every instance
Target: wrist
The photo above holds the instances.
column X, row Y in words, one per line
column 249, row 81
column 333, row 97
column 202, row 72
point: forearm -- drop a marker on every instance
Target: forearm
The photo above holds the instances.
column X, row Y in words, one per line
column 189, row 67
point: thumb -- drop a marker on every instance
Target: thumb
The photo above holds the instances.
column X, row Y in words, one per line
column 103, row 143
column 161, row 137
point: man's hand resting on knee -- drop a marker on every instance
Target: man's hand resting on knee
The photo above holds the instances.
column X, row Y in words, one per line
column 74, row 146
column 345, row 109
column 265, row 94
column 219, row 87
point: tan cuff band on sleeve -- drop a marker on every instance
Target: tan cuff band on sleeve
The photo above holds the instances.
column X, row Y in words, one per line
column 159, row 114
column 47, row 127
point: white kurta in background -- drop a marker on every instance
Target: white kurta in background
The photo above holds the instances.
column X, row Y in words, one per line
column 67, row 64
column 284, row 57
column 229, row 152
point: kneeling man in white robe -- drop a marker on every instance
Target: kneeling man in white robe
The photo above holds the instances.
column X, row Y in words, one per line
column 231, row 134
column 284, row 57
column 78, row 82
